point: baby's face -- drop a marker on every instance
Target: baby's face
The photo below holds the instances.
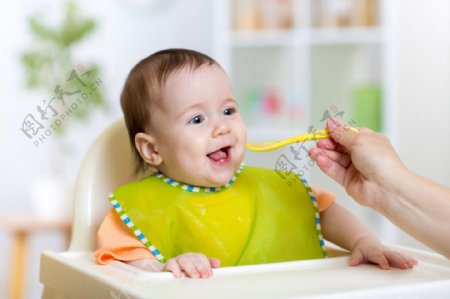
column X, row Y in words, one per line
column 197, row 127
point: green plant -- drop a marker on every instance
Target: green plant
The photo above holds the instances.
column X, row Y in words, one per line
column 49, row 62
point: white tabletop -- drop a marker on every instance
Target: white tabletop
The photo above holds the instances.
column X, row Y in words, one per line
column 325, row 278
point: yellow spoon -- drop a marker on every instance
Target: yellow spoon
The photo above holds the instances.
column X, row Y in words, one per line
column 273, row 145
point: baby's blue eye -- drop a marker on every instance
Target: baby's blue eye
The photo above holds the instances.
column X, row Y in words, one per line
column 229, row 111
column 197, row 120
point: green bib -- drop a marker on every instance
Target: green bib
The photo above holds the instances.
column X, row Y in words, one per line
column 256, row 218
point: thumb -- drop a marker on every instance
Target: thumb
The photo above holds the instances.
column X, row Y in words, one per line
column 357, row 258
column 341, row 133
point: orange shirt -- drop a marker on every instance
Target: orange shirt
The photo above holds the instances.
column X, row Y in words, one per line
column 116, row 242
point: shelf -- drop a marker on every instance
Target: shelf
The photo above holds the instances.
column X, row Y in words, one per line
column 263, row 38
column 286, row 78
column 316, row 36
column 358, row 36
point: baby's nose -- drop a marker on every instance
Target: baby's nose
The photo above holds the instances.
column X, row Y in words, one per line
column 221, row 128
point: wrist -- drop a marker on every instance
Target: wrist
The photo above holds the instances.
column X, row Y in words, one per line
column 365, row 239
column 150, row 265
column 392, row 189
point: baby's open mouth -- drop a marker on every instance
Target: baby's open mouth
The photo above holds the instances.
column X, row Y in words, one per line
column 220, row 156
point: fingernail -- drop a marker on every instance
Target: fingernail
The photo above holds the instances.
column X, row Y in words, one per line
column 316, row 155
column 331, row 124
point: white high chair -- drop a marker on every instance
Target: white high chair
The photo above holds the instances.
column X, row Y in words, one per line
column 108, row 164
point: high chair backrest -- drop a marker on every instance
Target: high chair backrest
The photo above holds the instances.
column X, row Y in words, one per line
column 107, row 165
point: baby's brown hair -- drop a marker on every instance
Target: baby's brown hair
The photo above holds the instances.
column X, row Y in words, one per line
column 144, row 86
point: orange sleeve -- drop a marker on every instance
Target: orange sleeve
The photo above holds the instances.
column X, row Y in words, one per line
column 324, row 198
column 116, row 242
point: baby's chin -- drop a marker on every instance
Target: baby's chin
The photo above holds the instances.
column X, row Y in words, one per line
column 215, row 182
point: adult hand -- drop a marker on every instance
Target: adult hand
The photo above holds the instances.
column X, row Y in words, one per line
column 367, row 166
column 362, row 161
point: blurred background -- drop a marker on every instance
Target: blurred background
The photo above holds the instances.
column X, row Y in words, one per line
column 293, row 63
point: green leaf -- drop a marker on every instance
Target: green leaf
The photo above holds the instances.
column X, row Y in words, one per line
column 49, row 64
column 40, row 30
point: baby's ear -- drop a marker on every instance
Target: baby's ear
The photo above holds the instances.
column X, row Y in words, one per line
column 146, row 146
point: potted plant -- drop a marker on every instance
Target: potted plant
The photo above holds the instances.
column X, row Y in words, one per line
column 74, row 91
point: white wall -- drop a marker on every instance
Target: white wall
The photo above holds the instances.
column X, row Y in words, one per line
column 424, row 89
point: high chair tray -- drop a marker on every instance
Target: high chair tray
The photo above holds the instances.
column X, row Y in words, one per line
column 75, row 275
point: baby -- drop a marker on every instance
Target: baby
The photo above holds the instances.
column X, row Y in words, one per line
column 202, row 208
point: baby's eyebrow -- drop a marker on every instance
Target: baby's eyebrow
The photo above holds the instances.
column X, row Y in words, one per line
column 233, row 100
column 196, row 105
